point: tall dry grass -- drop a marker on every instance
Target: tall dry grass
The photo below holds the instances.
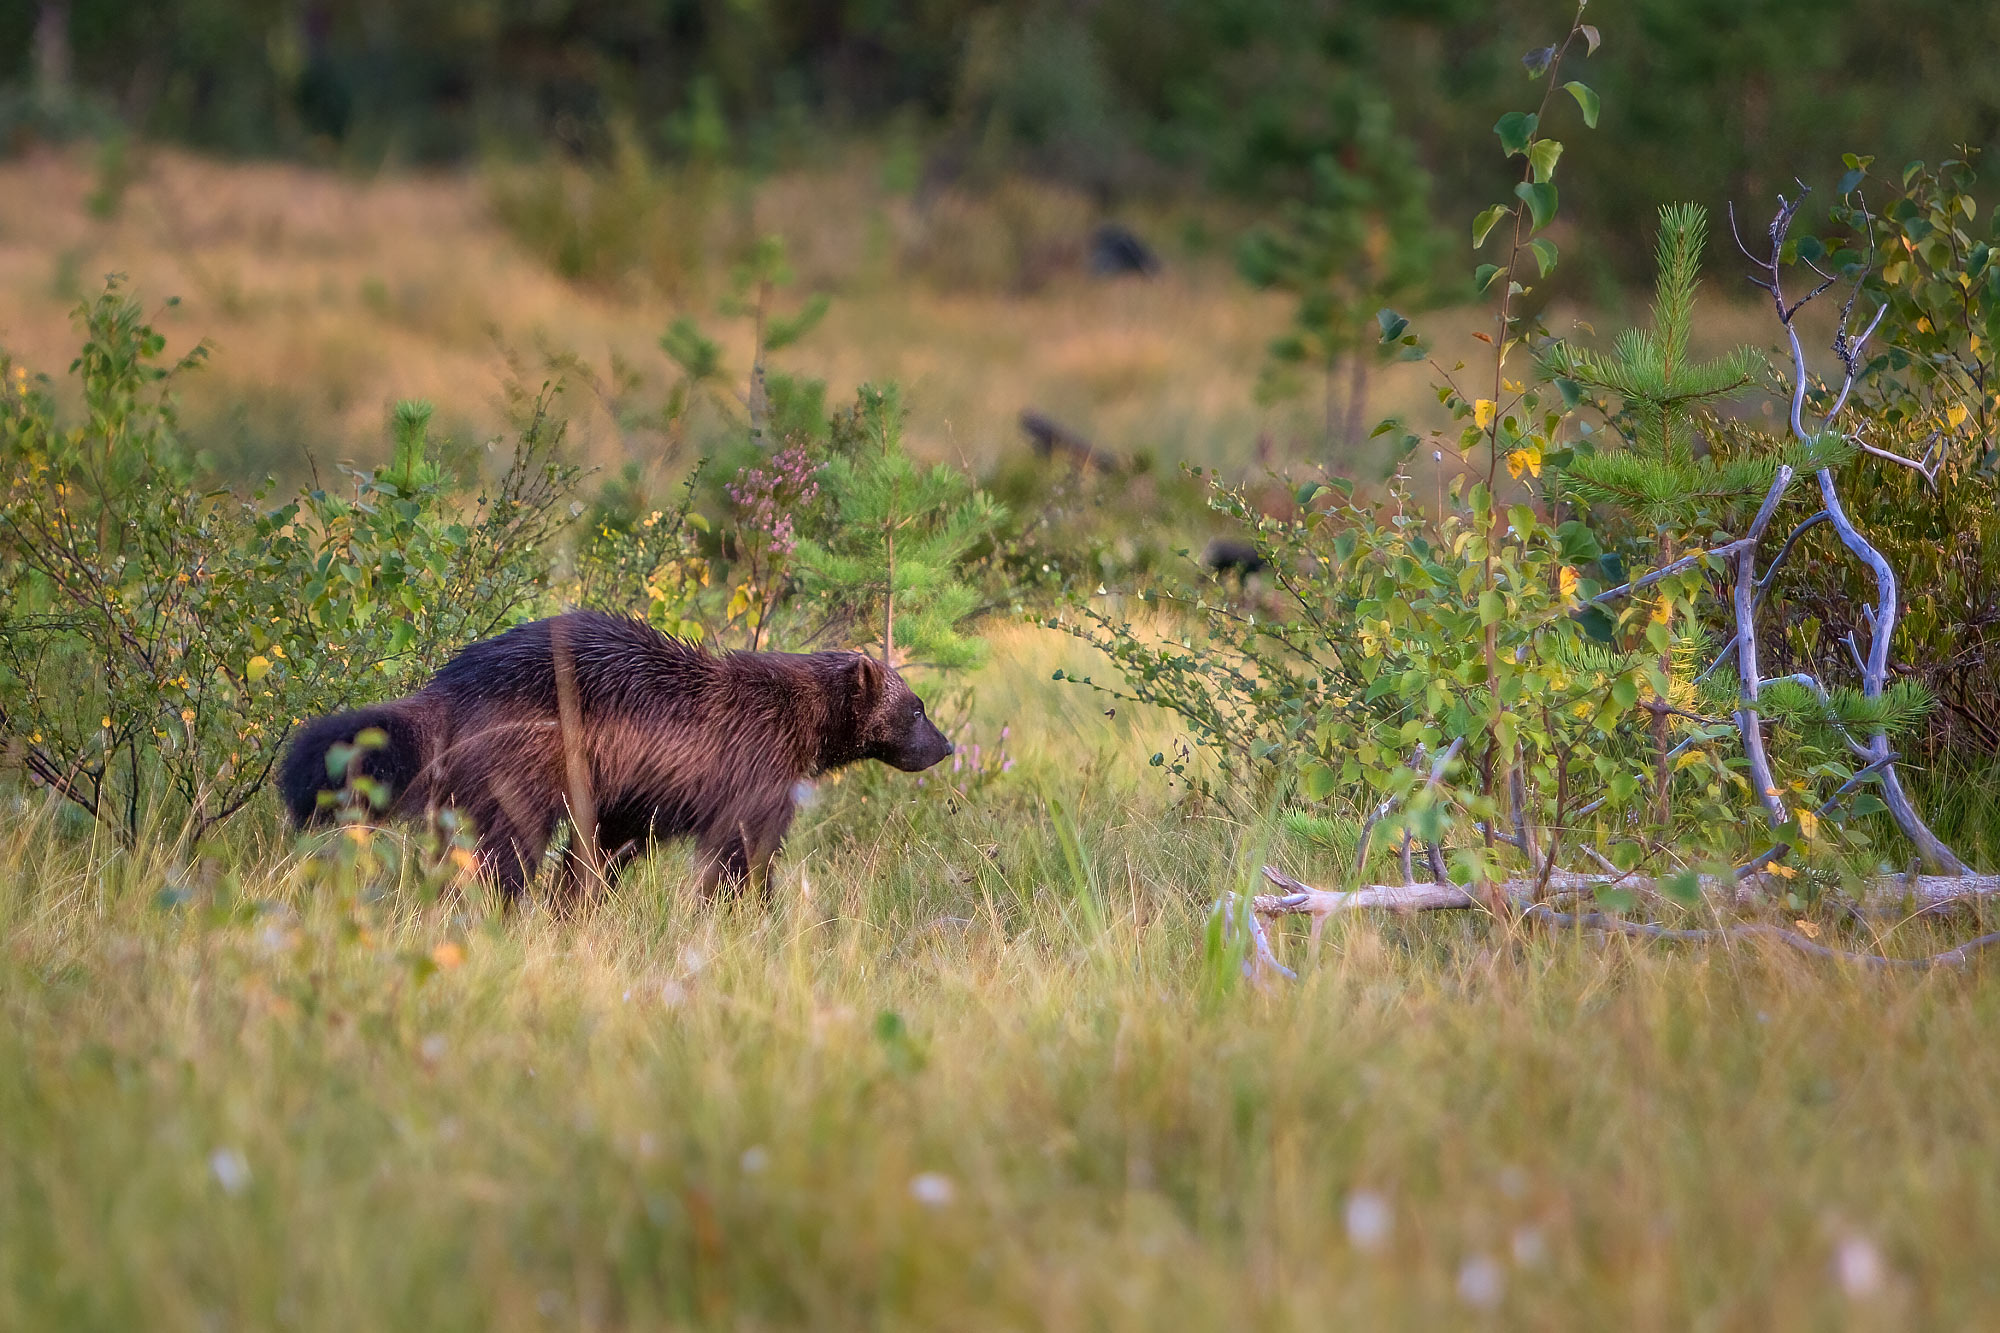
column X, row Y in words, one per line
column 975, row 1067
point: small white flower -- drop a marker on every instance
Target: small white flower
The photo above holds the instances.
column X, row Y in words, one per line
column 755, row 1158
column 1858, row 1265
column 230, row 1169
column 932, row 1189
column 1481, row 1282
column 1530, row 1247
column 432, row 1049
column 1369, row 1220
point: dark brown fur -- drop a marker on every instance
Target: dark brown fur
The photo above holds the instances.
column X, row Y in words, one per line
column 653, row 736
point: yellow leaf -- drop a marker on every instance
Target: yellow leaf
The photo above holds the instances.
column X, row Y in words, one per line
column 1528, row 460
column 1955, row 417
column 1807, row 928
column 1689, row 758
column 1809, row 824
column 257, row 668
column 1566, row 580
column 1783, row 871
column 1482, row 413
column 447, row 956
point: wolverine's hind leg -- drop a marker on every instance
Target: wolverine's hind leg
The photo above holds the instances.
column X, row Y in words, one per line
column 579, row 881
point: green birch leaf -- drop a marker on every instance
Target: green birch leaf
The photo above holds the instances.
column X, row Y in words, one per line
column 1586, row 99
column 1541, row 201
column 1483, row 224
column 1515, row 129
column 1543, row 155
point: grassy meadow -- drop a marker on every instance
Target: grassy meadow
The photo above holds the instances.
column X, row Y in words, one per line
column 976, row 1067
column 980, row 1062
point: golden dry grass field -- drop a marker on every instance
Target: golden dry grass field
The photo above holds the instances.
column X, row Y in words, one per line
column 326, row 299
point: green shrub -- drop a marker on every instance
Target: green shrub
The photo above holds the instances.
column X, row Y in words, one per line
column 159, row 638
column 1923, row 249
column 1563, row 650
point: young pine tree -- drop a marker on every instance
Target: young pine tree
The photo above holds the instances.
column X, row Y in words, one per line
column 1659, row 480
column 1359, row 241
column 891, row 560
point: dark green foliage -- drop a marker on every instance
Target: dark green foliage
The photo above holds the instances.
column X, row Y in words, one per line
column 1714, row 100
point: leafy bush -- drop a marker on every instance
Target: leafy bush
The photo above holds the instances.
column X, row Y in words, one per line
column 1503, row 680
column 160, row 638
column 1930, row 401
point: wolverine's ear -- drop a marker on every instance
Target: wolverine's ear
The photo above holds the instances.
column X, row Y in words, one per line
column 865, row 680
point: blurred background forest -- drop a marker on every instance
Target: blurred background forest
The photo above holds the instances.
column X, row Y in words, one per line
column 521, row 179
column 1125, row 99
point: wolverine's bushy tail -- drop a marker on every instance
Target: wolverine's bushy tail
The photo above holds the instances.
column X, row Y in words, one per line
column 395, row 764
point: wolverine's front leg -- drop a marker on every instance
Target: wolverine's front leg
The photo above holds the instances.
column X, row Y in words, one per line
column 742, row 855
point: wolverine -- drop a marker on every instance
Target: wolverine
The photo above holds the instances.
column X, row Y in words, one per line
column 629, row 735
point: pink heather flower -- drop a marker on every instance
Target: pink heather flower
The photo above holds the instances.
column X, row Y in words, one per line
column 768, row 497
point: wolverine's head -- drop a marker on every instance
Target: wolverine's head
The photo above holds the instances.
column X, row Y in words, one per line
column 891, row 724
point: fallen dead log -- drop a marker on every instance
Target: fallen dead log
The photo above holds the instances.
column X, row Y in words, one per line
column 1889, row 893
column 1905, row 895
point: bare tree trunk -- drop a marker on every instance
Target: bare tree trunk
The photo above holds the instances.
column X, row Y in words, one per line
column 1331, row 408
column 52, row 54
column 1357, row 397
column 759, row 401
column 889, row 603
column 576, row 761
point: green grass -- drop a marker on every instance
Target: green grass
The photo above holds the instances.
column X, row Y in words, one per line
column 974, row 1069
